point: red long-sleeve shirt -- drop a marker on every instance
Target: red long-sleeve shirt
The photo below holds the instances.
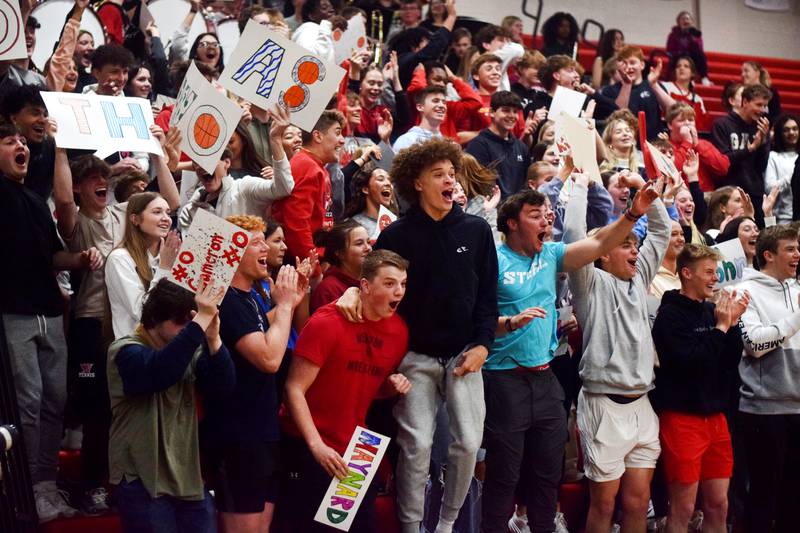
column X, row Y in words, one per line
column 714, row 164
column 308, row 208
column 458, row 114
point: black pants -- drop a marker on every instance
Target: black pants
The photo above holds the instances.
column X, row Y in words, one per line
column 88, row 373
column 525, row 431
column 304, row 483
column 772, row 443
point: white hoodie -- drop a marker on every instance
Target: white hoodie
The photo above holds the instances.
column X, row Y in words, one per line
column 771, row 363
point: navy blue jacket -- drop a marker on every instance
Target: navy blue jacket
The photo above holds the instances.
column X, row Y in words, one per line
column 509, row 157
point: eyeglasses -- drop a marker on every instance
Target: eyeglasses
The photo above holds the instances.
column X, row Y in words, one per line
column 207, row 44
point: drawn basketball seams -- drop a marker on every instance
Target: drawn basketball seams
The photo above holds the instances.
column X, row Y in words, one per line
column 207, row 130
column 9, row 26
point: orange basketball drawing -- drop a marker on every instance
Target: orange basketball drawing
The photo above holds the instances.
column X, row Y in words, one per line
column 337, row 34
column 361, row 42
column 206, row 130
column 307, row 72
column 294, row 96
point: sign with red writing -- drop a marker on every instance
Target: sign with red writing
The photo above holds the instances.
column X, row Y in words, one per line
column 211, row 251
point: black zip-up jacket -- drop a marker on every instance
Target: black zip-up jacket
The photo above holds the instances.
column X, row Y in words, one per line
column 451, row 294
column 698, row 363
column 509, row 157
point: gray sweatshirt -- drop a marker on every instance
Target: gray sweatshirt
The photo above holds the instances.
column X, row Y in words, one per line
column 618, row 351
column 771, row 363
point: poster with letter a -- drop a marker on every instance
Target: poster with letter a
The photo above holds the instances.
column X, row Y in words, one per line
column 344, row 496
column 211, row 251
column 267, row 69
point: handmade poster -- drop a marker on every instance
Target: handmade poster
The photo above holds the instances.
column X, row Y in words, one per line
column 574, row 133
column 106, row 124
column 731, row 269
column 663, row 163
column 385, row 217
column 12, row 34
column 568, row 101
column 267, row 69
column 343, row 497
column 352, row 39
column 207, row 124
column 211, row 251
column 187, row 94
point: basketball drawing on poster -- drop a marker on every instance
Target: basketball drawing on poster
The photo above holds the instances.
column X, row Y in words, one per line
column 268, row 69
column 206, row 119
column 12, row 36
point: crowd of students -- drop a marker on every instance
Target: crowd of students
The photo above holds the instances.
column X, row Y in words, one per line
column 516, row 306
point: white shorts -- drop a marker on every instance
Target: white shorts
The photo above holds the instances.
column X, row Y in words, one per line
column 616, row 436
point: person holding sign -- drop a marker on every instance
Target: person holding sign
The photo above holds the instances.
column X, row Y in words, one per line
column 240, row 432
column 617, row 367
column 321, row 414
column 526, row 426
column 223, row 195
column 699, row 346
column 152, row 377
column 449, row 341
column 309, row 206
column 769, row 407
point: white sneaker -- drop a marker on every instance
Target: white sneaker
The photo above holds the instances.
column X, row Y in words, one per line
column 44, row 507
column 560, row 523
column 519, row 523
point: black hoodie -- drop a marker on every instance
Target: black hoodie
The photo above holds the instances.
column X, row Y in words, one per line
column 451, row 295
column 698, row 363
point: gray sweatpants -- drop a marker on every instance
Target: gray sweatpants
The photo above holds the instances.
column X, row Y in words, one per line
column 431, row 383
column 38, row 354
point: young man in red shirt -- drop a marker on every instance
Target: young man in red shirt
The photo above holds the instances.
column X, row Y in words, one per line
column 309, row 207
column 714, row 165
column 338, row 368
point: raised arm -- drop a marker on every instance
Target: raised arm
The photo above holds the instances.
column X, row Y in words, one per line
column 63, row 196
column 166, row 183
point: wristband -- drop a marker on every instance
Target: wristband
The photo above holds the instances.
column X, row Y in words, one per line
column 509, row 326
column 630, row 216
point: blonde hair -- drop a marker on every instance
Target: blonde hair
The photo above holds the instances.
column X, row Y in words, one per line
column 631, row 158
column 248, row 222
column 476, row 179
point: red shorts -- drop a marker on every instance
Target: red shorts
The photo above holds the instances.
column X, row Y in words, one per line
column 695, row 448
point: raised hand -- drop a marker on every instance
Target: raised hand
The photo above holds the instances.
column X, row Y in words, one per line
column 747, row 204
column 170, row 245
column 691, row 165
column 172, row 149
column 158, row 133
column 646, row 196
column 491, row 202
column 630, row 180
column 267, row 172
column 769, row 201
column 284, row 292
column 386, row 126
column 738, row 305
column 655, row 72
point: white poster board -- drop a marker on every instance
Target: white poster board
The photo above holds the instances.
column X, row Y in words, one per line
column 211, row 250
column 664, row 163
column 566, row 100
column 207, row 120
column 385, row 217
column 268, row 69
column 12, row 36
column 106, row 124
column 343, row 497
column 575, row 132
column 731, row 269
column 352, row 39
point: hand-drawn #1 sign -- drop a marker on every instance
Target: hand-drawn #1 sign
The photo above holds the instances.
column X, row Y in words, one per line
column 209, row 131
column 12, row 46
column 211, row 251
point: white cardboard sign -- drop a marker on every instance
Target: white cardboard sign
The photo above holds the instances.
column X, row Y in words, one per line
column 12, row 38
column 105, row 124
column 566, row 100
column 206, row 119
column 731, row 269
column 268, row 69
column 352, row 39
column 343, row 497
column 574, row 132
column 211, row 250
column 385, row 217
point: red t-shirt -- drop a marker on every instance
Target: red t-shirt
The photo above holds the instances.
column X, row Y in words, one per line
column 354, row 359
